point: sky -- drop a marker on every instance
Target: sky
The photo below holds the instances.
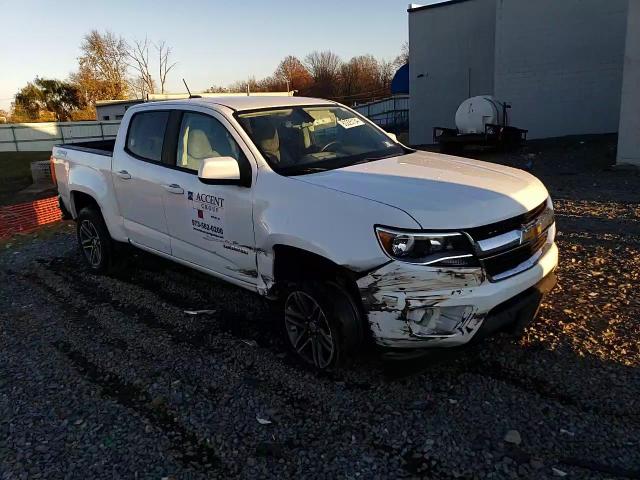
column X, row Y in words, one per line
column 214, row 42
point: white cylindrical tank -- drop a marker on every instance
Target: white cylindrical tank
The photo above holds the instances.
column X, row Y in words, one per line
column 475, row 112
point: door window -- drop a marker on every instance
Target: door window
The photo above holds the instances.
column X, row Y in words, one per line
column 202, row 136
column 146, row 135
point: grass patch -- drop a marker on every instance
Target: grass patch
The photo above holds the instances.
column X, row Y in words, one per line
column 16, row 164
column 15, row 174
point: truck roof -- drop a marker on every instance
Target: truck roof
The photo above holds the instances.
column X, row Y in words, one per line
column 254, row 102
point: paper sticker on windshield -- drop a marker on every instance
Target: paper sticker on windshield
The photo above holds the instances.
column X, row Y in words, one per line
column 322, row 121
column 208, row 214
column 350, row 122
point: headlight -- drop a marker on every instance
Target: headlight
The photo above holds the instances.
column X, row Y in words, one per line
column 435, row 249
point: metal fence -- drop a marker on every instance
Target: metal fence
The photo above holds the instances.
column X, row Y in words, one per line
column 39, row 137
column 391, row 113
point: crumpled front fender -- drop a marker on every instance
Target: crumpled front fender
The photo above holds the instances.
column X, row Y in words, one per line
column 391, row 292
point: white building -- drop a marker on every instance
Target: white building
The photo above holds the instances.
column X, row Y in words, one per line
column 113, row 109
column 558, row 63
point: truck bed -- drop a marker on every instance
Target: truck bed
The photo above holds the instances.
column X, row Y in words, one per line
column 99, row 147
column 84, row 166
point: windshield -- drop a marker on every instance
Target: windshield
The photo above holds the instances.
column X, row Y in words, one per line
column 308, row 139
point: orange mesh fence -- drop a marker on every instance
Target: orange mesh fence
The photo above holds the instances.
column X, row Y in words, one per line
column 26, row 217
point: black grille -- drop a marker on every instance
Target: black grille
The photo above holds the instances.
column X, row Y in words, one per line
column 502, row 262
column 494, row 229
column 506, row 261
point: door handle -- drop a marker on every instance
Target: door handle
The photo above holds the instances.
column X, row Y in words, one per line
column 174, row 188
column 123, row 174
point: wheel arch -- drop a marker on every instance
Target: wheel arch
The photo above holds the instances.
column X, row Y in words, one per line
column 294, row 264
column 81, row 199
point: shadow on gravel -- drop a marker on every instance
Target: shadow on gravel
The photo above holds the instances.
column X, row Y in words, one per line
column 186, row 447
column 502, row 361
column 249, row 318
column 240, row 313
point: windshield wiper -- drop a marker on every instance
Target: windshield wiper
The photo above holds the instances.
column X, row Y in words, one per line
column 373, row 159
column 301, row 170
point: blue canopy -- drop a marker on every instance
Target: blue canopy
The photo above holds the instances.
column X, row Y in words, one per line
column 400, row 82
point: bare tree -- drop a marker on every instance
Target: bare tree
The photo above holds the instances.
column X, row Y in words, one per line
column 292, row 72
column 324, row 67
column 403, row 57
column 144, row 82
column 139, row 87
column 324, row 74
column 165, row 67
column 217, row 89
column 251, row 84
column 386, row 71
column 138, row 55
column 360, row 78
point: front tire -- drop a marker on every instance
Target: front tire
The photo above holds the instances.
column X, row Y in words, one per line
column 322, row 324
column 94, row 240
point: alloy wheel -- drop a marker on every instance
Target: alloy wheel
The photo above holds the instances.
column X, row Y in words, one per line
column 308, row 329
column 90, row 242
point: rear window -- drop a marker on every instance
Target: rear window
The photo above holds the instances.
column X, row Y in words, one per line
column 146, row 135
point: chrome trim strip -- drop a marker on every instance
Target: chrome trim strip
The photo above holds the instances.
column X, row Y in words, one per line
column 526, row 265
column 453, row 257
column 418, row 234
column 498, row 242
column 530, row 262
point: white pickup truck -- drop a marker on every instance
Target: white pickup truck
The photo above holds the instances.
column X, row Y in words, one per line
column 305, row 201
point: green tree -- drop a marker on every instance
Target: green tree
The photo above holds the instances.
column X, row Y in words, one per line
column 43, row 98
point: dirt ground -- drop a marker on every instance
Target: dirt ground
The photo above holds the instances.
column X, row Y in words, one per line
column 108, row 377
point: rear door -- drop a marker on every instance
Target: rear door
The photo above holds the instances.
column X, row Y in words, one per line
column 210, row 225
column 140, row 179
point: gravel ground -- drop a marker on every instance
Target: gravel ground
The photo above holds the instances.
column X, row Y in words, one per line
column 107, row 377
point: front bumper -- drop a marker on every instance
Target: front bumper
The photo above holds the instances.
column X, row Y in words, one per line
column 517, row 312
column 395, row 295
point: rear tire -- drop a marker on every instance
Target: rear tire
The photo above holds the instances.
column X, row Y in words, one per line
column 322, row 324
column 94, row 240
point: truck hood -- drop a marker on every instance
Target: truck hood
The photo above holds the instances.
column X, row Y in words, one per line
column 439, row 191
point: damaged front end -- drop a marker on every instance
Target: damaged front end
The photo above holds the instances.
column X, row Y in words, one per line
column 441, row 288
column 412, row 306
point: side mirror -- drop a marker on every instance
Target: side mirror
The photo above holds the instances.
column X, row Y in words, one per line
column 393, row 136
column 219, row 170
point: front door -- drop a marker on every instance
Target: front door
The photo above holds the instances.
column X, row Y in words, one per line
column 138, row 179
column 210, row 225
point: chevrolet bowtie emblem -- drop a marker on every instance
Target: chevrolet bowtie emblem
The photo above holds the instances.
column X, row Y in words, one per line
column 531, row 231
